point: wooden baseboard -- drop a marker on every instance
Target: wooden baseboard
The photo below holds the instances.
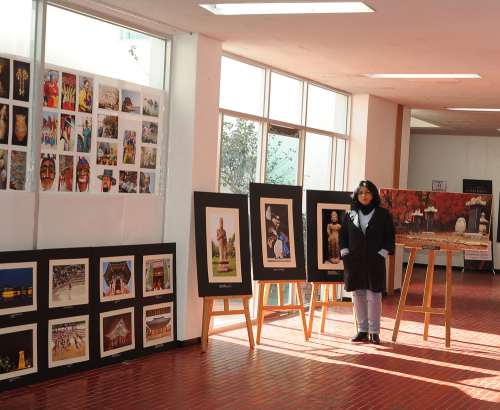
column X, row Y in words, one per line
column 190, row 342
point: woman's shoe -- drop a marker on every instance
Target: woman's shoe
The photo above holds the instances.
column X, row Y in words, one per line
column 374, row 338
column 360, row 337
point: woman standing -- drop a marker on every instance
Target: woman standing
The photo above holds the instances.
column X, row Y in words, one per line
column 366, row 238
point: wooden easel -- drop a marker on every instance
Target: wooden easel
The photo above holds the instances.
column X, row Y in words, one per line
column 325, row 305
column 264, row 287
column 426, row 305
column 208, row 313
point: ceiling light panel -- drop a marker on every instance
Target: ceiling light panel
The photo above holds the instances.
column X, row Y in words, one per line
column 226, row 9
column 436, row 76
column 475, row 109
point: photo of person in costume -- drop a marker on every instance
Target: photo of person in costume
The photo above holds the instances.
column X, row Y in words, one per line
column 82, row 175
column 366, row 237
column 278, row 241
column 128, row 182
column 67, row 139
column 84, row 127
column 66, row 166
column 48, row 138
column 47, row 171
column 51, row 89
column 107, row 180
column 129, row 144
column 85, row 96
column 147, row 182
column 68, row 92
column 106, row 154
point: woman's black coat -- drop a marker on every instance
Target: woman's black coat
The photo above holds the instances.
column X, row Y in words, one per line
column 364, row 267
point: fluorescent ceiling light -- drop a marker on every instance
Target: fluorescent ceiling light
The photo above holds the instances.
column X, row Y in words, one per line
column 437, row 76
column 474, row 109
column 416, row 123
column 226, row 9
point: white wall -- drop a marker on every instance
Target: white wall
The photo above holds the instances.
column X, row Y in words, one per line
column 452, row 159
column 192, row 161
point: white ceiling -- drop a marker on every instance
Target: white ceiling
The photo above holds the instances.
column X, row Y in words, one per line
column 402, row 36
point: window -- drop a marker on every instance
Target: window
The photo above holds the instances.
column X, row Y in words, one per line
column 16, row 27
column 279, row 129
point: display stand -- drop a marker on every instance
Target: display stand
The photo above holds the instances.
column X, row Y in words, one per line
column 325, row 305
column 426, row 306
column 208, row 313
column 264, row 286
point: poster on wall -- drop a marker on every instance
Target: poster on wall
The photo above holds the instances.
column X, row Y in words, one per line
column 158, row 324
column 18, row 351
column 117, row 278
column 441, row 220
column 117, row 331
column 222, row 245
column 277, row 233
column 68, row 340
column 18, row 287
column 326, row 211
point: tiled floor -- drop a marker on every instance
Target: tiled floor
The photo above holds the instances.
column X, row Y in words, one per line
column 327, row 372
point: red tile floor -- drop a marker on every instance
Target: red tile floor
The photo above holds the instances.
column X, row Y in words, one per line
column 327, row 372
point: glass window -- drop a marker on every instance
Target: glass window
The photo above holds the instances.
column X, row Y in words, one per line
column 16, row 27
column 241, row 87
column 320, row 108
column 282, row 155
column 286, row 99
column 240, row 146
column 102, row 48
column 340, row 122
column 317, row 162
column 340, row 165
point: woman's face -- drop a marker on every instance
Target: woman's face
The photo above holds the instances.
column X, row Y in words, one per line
column 364, row 195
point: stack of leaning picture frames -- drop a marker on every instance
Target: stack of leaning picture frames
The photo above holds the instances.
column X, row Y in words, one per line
column 64, row 311
column 223, row 256
column 277, row 246
column 325, row 212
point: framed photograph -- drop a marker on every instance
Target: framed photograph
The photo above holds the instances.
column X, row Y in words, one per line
column 277, row 234
column 157, row 275
column 117, row 331
column 222, row 245
column 117, row 278
column 325, row 213
column 68, row 282
column 158, row 324
column 18, row 287
column 439, row 185
column 68, row 340
column 18, row 351
column 441, row 220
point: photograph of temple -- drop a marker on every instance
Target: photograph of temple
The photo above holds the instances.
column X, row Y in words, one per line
column 117, row 278
column 158, row 324
column 117, row 331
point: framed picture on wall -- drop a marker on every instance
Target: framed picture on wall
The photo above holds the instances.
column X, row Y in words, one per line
column 117, row 278
column 158, row 324
column 117, row 331
column 68, row 340
column 18, row 350
column 68, row 282
column 326, row 211
column 18, row 287
column 157, row 274
column 222, row 244
column 277, row 234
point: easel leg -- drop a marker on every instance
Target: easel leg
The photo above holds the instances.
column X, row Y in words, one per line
column 302, row 312
column 402, row 300
column 312, row 307
column 260, row 311
column 207, row 309
column 249, row 322
column 448, row 300
column 323, row 311
column 429, row 278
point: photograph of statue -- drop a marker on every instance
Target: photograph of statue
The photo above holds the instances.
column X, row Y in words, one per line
column 442, row 219
column 223, row 249
column 22, row 79
column 330, row 218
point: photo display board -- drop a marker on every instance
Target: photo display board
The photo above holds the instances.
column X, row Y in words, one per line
column 16, row 135
column 222, row 244
column 99, row 134
column 325, row 213
column 277, row 242
column 439, row 220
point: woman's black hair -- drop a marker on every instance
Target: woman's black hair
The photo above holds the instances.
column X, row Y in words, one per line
column 371, row 187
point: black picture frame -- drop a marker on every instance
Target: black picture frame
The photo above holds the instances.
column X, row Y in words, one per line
column 320, row 205
column 276, row 215
column 236, row 209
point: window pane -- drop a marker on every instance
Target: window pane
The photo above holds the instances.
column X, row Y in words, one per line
column 102, row 48
column 241, row 87
column 317, row 162
column 282, row 156
column 240, row 145
column 286, row 99
column 16, row 27
column 326, row 110
column 339, row 165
